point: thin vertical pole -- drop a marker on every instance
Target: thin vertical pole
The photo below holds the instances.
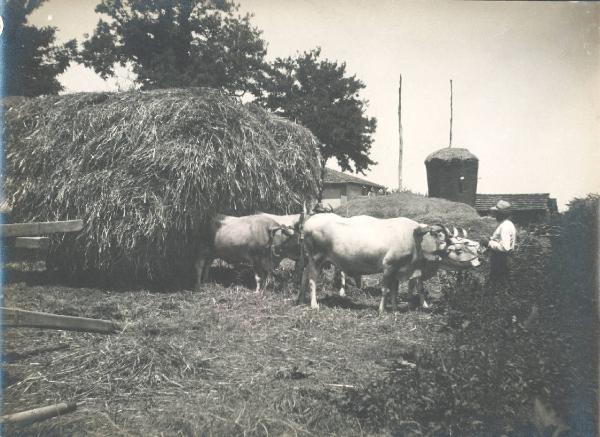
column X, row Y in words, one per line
column 450, row 142
column 401, row 146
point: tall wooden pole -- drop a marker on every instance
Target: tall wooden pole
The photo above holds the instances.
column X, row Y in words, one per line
column 450, row 142
column 400, row 147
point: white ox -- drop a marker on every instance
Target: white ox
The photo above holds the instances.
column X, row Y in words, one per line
column 458, row 244
column 254, row 239
column 399, row 248
column 294, row 221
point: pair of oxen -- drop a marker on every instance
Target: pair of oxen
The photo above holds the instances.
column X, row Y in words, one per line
column 400, row 248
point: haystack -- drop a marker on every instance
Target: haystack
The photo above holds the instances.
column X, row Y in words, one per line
column 451, row 154
column 145, row 170
column 422, row 209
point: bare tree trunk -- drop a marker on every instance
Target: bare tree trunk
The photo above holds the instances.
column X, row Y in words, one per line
column 400, row 146
column 450, row 142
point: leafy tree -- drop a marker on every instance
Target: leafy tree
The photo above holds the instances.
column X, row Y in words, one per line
column 31, row 60
column 318, row 94
column 177, row 43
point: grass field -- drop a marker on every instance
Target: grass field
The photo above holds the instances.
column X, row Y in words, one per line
column 226, row 361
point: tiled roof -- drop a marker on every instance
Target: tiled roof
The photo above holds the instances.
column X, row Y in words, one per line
column 337, row 177
column 519, row 202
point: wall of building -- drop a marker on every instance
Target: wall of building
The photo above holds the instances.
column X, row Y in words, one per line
column 525, row 217
column 453, row 180
column 333, row 196
column 353, row 190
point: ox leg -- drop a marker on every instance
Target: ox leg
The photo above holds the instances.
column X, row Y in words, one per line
column 297, row 276
column 415, row 286
column 257, row 279
column 384, row 291
column 262, row 272
column 358, row 280
column 203, row 262
column 342, row 282
column 312, row 276
column 388, row 283
column 206, row 270
column 394, row 294
column 303, row 285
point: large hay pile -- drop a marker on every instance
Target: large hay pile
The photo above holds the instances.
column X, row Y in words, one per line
column 146, row 169
column 422, row 209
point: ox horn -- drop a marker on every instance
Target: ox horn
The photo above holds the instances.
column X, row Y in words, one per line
column 454, row 232
column 447, row 231
column 464, row 232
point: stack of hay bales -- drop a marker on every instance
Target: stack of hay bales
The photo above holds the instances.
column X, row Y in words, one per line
column 145, row 170
column 422, row 209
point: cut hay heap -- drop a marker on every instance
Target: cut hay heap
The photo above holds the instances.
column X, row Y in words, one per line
column 423, row 209
column 451, row 154
column 145, row 170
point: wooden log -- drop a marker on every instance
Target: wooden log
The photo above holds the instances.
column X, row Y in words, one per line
column 14, row 317
column 40, row 243
column 38, row 414
column 40, row 228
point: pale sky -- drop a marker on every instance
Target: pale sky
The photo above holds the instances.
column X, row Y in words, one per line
column 526, row 79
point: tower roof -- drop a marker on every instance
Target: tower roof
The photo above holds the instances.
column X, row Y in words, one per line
column 451, row 154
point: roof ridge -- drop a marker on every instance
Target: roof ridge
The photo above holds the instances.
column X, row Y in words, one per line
column 348, row 178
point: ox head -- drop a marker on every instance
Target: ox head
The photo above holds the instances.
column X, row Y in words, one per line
column 284, row 241
column 432, row 240
column 460, row 253
column 451, row 248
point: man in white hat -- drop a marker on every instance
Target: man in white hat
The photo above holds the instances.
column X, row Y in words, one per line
column 502, row 242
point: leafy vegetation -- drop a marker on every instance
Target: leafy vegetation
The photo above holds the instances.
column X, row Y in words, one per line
column 319, row 94
column 177, row 44
column 31, row 59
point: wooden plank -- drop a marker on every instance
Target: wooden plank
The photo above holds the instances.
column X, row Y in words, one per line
column 41, row 243
column 40, row 228
column 38, row 414
column 14, row 317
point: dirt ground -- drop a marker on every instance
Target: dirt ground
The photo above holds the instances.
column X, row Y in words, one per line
column 220, row 361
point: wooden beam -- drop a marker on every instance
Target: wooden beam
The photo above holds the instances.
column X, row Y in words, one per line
column 36, row 229
column 42, row 243
column 14, row 317
column 38, row 414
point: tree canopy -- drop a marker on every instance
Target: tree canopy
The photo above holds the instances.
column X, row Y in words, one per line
column 318, row 94
column 31, row 59
column 177, row 43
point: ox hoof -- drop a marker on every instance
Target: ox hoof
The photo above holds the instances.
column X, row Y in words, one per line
column 315, row 306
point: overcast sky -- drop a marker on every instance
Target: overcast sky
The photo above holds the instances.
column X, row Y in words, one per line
column 525, row 76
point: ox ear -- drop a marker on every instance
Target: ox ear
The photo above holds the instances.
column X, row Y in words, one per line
column 272, row 231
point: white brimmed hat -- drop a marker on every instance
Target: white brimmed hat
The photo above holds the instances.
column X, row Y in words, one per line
column 501, row 206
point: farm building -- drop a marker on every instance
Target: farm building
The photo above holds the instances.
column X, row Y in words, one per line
column 526, row 208
column 339, row 188
column 452, row 175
